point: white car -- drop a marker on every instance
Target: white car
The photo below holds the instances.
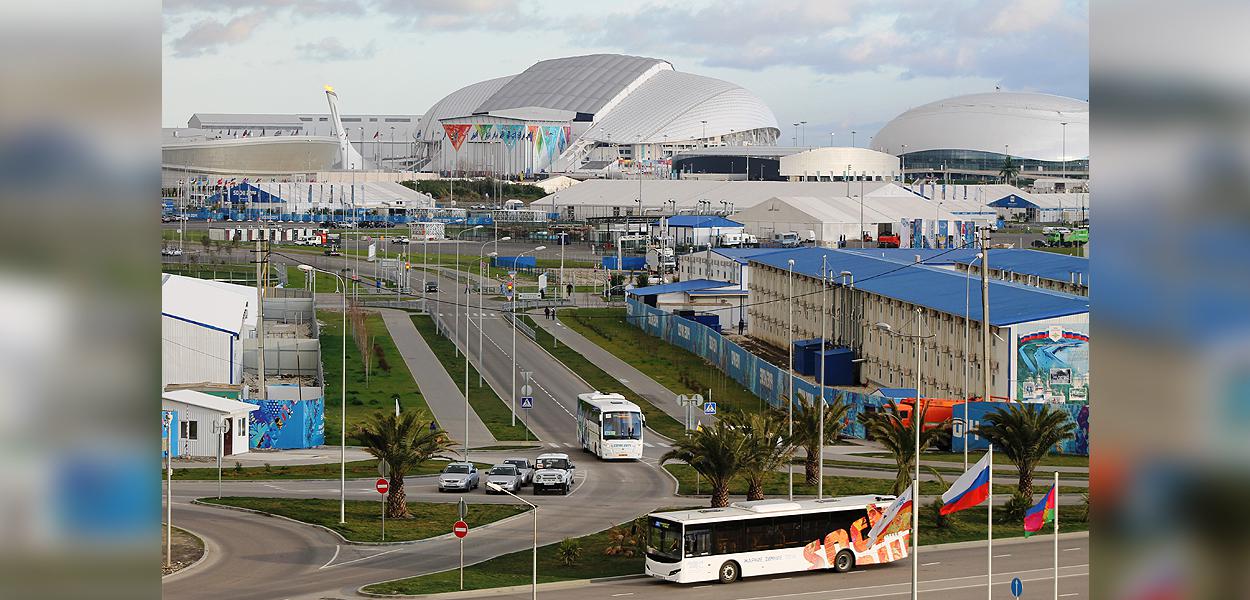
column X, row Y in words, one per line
column 524, row 466
column 459, row 476
column 553, row 472
column 399, row 240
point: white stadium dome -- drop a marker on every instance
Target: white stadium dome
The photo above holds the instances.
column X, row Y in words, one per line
column 974, row 132
column 640, row 108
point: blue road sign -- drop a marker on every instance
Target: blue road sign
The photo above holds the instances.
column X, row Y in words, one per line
column 1017, row 587
column 709, row 408
column 527, row 402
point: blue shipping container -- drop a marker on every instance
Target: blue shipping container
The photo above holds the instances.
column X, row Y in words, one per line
column 839, row 370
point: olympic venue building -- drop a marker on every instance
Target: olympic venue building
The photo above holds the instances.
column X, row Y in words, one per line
column 967, row 138
column 587, row 113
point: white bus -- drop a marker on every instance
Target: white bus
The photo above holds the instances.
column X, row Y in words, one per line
column 768, row 537
column 609, row 426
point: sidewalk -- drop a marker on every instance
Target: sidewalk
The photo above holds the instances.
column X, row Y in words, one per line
column 305, row 456
column 660, row 396
column 440, row 392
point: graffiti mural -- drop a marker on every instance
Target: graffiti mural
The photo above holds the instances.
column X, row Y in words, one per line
column 1053, row 365
column 287, row 424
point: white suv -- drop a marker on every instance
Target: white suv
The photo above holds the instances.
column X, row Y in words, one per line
column 553, row 472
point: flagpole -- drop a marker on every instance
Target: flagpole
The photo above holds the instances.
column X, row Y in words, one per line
column 1056, row 535
column 989, row 522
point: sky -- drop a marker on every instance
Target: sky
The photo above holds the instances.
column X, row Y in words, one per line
column 840, row 65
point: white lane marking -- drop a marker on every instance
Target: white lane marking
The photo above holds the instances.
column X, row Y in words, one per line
column 648, row 444
column 1071, row 549
column 553, row 444
column 782, row 579
column 699, row 587
column 930, row 564
column 625, row 594
column 363, row 558
column 568, row 445
column 663, row 445
column 336, row 555
column 1066, row 595
column 1002, row 556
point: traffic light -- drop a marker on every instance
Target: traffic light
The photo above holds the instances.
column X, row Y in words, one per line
column 509, row 287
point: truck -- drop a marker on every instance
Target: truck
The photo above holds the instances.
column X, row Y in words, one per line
column 888, row 240
column 661, row 260
column 553, row 472
column 789, row 239
column 1060, row 236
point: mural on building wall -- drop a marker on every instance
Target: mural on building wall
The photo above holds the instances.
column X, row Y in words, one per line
column 771, row 383
column 287, row 424
column 1053, row 365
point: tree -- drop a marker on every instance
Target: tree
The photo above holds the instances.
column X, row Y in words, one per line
column 643, row 280
column 766, row 447
column 1024, row 434
column 897, row 434
column 716, row 452
column 404, row 442
column 1009, row 169
column 569, row 551
column 807, row 430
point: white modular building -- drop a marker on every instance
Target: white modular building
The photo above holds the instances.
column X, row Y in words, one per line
column 208, row 424
column 203, row 326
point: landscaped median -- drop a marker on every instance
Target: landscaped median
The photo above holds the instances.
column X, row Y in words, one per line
column 364, row 518
column 657, row 419
column 493, row 412
column 777, row 484
column 610, row 553
column 670, row 366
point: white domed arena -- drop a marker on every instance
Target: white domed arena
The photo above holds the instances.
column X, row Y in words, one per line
column 968, row 137
column 589, row 115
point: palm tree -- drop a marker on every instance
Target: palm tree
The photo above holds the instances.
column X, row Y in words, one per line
column 807, row 430
column 717, row 452
column 896, row 433
column 1009, row 169
column 404, row 442
column 1025, row 434
column 765, row 450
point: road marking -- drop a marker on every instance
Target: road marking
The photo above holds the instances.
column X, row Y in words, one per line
column 930, row 564
column 622, row 380
column 1044, row 574
column 625, row 594
column 1002, row 556
column 1071, row 549
column 568, row 445
column 1066, row 595
column 553, row 444
column 365, row 558
column 782, row 579
column 648, row 444
column 663, row 445
column 336, row 555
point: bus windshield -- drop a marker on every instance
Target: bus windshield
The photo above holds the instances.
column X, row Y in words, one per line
column 622, row 426
column 664, row 539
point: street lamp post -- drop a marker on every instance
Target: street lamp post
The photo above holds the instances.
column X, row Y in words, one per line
column 803, row 124
column 455, row 303
column 342, row 394
column 790, row 367
column 534, row 563
column 852, row 139
column 967, row 349
column 824, row 297
column 564, row 241
column 480, row 293
column 514, row 328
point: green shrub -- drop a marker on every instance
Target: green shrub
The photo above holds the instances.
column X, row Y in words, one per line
column 569, row 551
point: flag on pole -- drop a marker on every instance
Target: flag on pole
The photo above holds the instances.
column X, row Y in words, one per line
column 971, row 489
column 899, row 511
column 1042, row 513
column 376, row 134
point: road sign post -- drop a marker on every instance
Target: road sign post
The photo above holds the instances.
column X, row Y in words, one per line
column 1017, row 587
column 461, row 529
column 168, row 418
column 382, row 486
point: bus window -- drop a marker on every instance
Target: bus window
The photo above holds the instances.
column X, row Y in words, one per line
column 664, row 539
column 761, row 535
column 622, row 426
column 815, row 526
column 788, row 532
column 728, row 537
column 698, row 540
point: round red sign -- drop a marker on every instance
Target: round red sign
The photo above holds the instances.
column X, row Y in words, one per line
column 382, row 486
column 461, row 529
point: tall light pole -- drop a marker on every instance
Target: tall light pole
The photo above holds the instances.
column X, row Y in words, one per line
column 831, row 139
column 903, row 163
column 790, row 367
column 312, row 271
column 852, row 138
column 564, row 241
column 481, row 264
column 516, row 262
column 804, row 137
column 534, row 564
column 796, row 135
column 824, row 297
column 967, row 349
column 455, row 303
column 1064, row 151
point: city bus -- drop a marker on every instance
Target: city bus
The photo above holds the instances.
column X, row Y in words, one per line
column 769, row 537
column 609, row 426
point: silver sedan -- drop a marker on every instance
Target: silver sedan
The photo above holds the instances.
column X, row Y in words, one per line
column 505, row 476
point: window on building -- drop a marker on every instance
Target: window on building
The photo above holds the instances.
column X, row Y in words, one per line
column 189, row 430
column 240, row 427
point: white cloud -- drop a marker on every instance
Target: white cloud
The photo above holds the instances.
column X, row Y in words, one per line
column 331, row 49
column 207, row 35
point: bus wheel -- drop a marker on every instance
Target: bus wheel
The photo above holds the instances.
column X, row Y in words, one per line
column 844, row 561
column 729, row 572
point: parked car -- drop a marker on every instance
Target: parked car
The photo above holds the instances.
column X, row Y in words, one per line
column 399, row 240
column 332, row 251
column 505, row 476
column 168, row 251
column 524, row 466
column 431, row 286
column 459, row 476
column 553, row 471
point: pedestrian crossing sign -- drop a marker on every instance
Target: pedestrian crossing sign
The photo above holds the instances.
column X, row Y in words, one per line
column 527, row 402
column 709, row 408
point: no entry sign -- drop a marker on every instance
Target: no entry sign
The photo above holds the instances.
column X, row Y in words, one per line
column 382, row 486
column 461, row 529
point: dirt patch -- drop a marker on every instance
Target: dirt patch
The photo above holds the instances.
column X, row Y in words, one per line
column 186, row 549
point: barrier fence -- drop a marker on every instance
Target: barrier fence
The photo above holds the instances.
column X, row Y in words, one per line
column 771, row 383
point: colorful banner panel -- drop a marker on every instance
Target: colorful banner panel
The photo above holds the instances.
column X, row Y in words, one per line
column 509, row 134
column 1053, row 365
column 457, row 133
column 287, row 424
column 481, row 132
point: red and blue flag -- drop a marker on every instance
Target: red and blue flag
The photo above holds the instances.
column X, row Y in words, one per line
column 972, row 488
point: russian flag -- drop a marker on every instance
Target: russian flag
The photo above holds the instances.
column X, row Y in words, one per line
column 971, row 489
column 1042, row 513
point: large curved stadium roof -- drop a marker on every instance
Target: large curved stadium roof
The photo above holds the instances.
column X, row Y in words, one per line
column 1028, row 124
column 457, row 104
column 583, row 84
column 675, row 104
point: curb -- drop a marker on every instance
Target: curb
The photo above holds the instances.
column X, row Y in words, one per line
column 198, row 561
column 338, row 535
column 554, row 585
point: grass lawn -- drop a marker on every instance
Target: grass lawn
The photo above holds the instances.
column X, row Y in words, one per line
column 673, row 367
column 969, row 525
column 1053, row 460
column 657, row 419
column 950, row 472
column 364, row 517
column 514, row 569
column 357, row 469
column 388, row 376
column 494, row 413
column 777, row 484
column 297, row 279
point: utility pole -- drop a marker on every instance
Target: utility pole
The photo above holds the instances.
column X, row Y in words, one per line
column 985, row 318
column 262, row 271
